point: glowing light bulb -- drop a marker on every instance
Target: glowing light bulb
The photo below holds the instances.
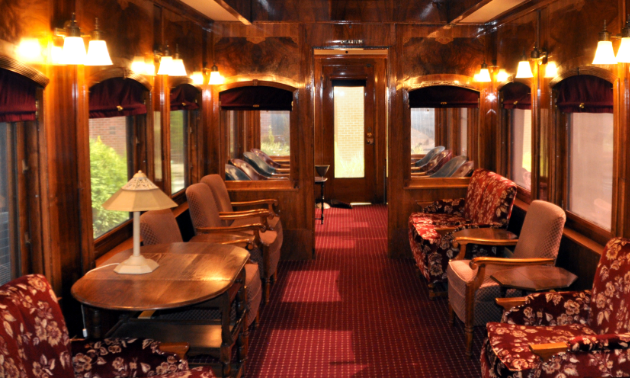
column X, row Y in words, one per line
column 29, row 51
column 177, row 68
column 604, row 53
column 165, row 65
column 73, row 51
column 623, row 55
column 502, row 76
column 524, row 70
column 197, row 78
column 551, row 70
column 138, row 66
column 97, row 54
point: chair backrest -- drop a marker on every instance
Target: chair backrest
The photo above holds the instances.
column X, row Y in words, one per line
column 233, row 173
column 219, row 191
column 437, row 162
column 263, row 155
column 34, row 337
column 427, row 158
column 541, row 232
column 490, row 198
column 202, row 206
column 259, row 164
column 248, row 169
column 450, row 167
column 611, row 295
column 159, row 227
column 465, row 170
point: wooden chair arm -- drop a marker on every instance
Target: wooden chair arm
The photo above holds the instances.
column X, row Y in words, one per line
column 490, row 242
column 508, row 303
column 546, row 351
column 270, row 202
column 180, row 349
column 283, row 170
column 256, row 227
column 445, row 230
column 483, row 261
column 251, row 213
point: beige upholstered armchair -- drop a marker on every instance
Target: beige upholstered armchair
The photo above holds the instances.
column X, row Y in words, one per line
column 471, row 291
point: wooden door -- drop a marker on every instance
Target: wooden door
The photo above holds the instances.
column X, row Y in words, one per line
column 350, row 127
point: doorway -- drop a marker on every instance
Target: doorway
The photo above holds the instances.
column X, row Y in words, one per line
column 350, row 126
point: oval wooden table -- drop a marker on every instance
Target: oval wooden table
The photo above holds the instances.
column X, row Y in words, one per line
column 203, row 275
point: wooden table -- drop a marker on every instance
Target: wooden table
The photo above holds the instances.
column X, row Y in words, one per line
column 534, row 278
column 202, row 274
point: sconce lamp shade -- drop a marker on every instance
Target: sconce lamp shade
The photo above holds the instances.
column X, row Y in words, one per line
column 197, row 78
column 138, row 66
column 623, row 55
column 165, row 65
column 73, row 51
column 215, row 76
column 177, row 68
column 604, row 53
column 149, row 69
column 97, row 54
column 484, row 76
column 139, row 194
column 502, row 76
column 524, row 70
column 552, row 70
column 29, row 50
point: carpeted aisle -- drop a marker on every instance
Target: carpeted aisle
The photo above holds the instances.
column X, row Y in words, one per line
column 353, row 312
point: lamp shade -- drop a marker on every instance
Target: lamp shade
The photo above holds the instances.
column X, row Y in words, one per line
column 484, row 76
column 623, row 55
column 215, row 76
column 604, row 53
column 524, row 70
column 139, row 194
column 502, row 76
column 551, row 70
column 165, row 65
column 73, row 51
column 138, row 66
column 97, row 54
column 197, row 78
column 177, row 68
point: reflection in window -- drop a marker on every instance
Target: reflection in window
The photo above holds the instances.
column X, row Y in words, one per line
column 349, row 115
column 179, row 125
column 521, row 158
column 109, row 169
column 422, row 130
column 157, row 145
column 463, row 132
column 275, row 132
column 8, row 241
column 591, row 167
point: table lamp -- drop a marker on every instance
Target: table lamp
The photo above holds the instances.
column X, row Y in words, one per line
column 139, row 194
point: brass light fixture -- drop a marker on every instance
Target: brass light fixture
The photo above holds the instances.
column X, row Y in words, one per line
column 524, row 70
column 74, row 52
column 177, row 65
column 604, row 53
column 215, row 75
column 484, row 74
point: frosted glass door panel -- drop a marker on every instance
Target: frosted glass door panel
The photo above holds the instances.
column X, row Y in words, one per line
column 349, row 132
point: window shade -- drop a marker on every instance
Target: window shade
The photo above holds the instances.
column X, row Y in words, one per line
column 517, row 96
column 117, row 97
column 585, row 94
column 443, row 96
column 184, row 97
column 256, row 98
column 17, row 97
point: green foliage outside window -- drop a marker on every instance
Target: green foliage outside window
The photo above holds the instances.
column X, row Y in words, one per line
column 108, row 172
column 273, row 148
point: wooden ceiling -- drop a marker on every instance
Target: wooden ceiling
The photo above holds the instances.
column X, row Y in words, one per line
column 365, row 11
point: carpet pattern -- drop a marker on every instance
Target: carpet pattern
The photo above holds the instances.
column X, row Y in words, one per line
column 353, row 312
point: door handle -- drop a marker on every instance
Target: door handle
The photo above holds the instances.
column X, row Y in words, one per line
column 369, row 141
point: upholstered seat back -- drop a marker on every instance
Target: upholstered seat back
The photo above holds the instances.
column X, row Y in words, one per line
column 610, row 299
column 450, row 167
column 202, row 206
column 219, row 191
column 541, row 232
column 34, row 339
column 159, row 227
column 259, row 164
column 489, row 198
column 248, row 169
column 233, row 173
column 427, row 158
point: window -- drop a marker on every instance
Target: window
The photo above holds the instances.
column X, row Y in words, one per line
column 179, row 148
column 591, row 167
column 521, row 148
column 9, row 247
column 422, row 130
column 349, row 147
column 157, row 145
column 275, row 132
column 110, row 168
column 463, row 132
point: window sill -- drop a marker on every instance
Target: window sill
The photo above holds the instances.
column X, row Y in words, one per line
column 267, row 186
column 432, row 183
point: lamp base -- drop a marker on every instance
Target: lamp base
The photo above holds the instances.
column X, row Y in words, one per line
column 136, row 265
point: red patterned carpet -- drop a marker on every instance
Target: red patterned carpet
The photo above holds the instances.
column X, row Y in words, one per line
column 353, row 312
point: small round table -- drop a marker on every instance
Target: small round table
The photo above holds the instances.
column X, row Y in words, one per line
column 534, row 278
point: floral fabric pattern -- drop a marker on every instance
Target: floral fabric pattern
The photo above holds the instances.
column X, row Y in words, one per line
column 595, row 325
column 436, row 162
column 488, row 203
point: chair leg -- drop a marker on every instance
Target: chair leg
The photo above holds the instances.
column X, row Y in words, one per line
column 451, row 314
column 469, row 340
column 257, row 321
column 469, row 322
column 265, row 282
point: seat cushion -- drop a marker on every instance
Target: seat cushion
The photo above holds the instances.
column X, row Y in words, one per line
column 424, row 224
column 270, row 239
column 254, row 291
column 459, row 274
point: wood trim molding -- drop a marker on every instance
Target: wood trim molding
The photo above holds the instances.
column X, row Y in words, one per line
column 19, row 68
column 453, row 80
column 99, row 76
column 278, row 82
column 582, row 70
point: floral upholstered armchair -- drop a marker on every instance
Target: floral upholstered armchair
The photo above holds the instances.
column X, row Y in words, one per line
column 567, row 334
column 488, row 203
column 34, row 343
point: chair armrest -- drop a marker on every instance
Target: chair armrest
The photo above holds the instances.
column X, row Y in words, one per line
column 256, row 227
column 546, row 351
column 247, row 213
column 605, row 342
column 484, row 261
column 508, row 303
column 463, row 241
column 262, row 217
column 178, row 349
column 269, row 202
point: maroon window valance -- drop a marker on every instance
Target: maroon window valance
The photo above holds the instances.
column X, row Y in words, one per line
column 585, row 94
column 256, row 98
column 17, row 97
column 117, row 97
column 184, row 97
column 517, row 96
column 443, row 96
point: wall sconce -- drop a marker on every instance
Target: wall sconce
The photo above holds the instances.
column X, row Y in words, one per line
column 604, row 53
column 165, row 59
column 177, row 65
column 29, row 50
column 74, row 48
column 524, row 70
column 141, row 66
column 502, row 76
column 623, row 55
column 551, row 70
column 483, row 76
column 197, row 78
column 215, row 76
